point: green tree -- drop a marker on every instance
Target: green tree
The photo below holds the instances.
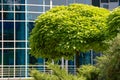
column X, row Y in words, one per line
column 66, row 30
column 109, row 63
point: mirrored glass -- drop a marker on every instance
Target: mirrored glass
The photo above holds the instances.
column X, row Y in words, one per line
column 35, row 8
column 20, row 8
column 35, row 2
column 8, row 7
column 8, row 16
column 32, row 16
column 20, row 16
column 0, row 30
column 59, row 2
column 8, row 45
column 20, row 30
column 8, row 58
column 8, row 31
column 20, row 44
column 20, row 57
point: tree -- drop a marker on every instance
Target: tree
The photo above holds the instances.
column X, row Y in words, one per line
column 66, row 30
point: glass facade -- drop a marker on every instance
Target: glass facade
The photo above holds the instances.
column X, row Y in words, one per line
column 16, row 22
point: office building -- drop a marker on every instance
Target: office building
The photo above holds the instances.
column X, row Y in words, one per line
column 16, row 22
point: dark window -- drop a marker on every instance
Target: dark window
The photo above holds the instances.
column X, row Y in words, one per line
column 0, row 16
column 20, row 16
column 8, row 16
column 8, row 1
column 0, row 30
column 20, row 30
column 20, row 57
column 104, row 1
column 8, row 44
column 20, row 44
column 113, row 0
column 0, row 44
column 8, row 57
column 8, row 31
column 31, row 25
column 19, row 1
column 8, row 7
column 0, row 57
column 20, row 8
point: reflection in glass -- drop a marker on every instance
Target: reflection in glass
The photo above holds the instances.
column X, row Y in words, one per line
column 20, row 16
column 0, row 30
column 20, row 44
column 35, row 2
column 8, row 58
column 20, row 31
column 47, row 2
column 20, row 57
column 19, row 1
column 8, row 44
column 20, row 8
column 30, row 27
column 8, row 30
column 0, row 57
column 8, row 7
column 8, row 1
column 32, row 16
column 8, row 16
column 59, row 2
column 35, row 8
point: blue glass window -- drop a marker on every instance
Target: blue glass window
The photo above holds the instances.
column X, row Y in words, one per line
column 20, row 30
column 47, row 2
column 70, row 1
column 20, row 44
column 30, row 27
column 32, row 16
column 20, row 8
column 8, row 58
column 19, row 1
column 35, row 8
column 8, row 16
column 0, row 30
column 8, row 44
column 20, row 57
column 0, row 15
column 35, row 2
column 47, row 8
column 8, row 1
column 59, row 2
column 0, row 6
column 20, row 16
column 8, row 32
column 8, row 7
column 0, row 57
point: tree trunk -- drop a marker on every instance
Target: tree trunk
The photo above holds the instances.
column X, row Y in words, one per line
column 77, row 59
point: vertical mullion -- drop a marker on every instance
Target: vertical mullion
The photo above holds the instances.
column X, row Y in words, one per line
column 26, row 54
column 2, row 40
column 14, row 42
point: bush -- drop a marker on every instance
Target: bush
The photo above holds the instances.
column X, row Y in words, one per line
column 89, row 72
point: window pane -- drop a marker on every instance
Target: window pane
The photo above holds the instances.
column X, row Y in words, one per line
column 104, row 1
column 35, row 2
column 59, row 2
column 0, row 57
column 20, row 31
column 35, row 8
column 8, row 7
column 8, row 57
column 0, row 15
column 70, row 1
column 32, row 16
column 20, row 57
column 30, row 27
column 8, row 1
column 113, row 0
column 47, row 8
column 0, row 30
column 8, row 16
column 0, row 44
column 8, row 31
column 20, row 44
column 8, row 44
column 19, row 1
column 47, row 2
column 20, row 16
column 20, row 8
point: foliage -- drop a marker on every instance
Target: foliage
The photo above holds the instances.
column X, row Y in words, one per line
column 109, row 63
column 113, row 21
column 89, row 72
column 57, row 74
column 63, row 30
